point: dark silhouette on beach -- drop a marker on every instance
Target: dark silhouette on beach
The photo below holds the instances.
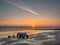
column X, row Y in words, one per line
column 22, row 35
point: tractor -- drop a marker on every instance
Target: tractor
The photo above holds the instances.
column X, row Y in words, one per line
column 22, row 35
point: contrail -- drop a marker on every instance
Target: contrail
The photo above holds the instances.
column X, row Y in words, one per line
column 21, row 7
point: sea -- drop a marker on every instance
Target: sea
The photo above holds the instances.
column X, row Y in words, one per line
column 39, row 35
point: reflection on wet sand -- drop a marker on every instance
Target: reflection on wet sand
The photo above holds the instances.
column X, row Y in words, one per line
column 30, row 32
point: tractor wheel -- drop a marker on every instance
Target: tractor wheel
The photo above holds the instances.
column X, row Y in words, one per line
column 27, row 36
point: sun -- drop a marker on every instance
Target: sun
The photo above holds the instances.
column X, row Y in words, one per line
column 33, row 25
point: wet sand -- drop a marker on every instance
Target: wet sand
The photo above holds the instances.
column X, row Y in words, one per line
column 29, row 32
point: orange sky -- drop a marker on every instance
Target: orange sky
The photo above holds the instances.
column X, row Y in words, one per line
column 3, row 23
column 33, row 13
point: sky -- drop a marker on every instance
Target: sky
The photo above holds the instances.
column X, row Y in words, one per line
column 29, row 12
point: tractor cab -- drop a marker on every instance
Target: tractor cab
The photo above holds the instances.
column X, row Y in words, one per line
column 22, row 35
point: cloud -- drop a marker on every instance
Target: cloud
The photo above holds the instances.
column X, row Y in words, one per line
column 21, row 7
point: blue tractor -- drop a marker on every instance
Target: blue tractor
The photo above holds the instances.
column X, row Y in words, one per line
column 22, row 35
